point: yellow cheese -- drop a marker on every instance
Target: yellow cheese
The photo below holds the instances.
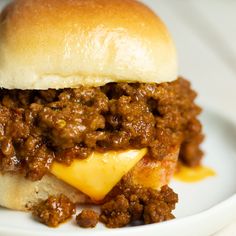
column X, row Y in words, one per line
column 193, row 174
column 99, row 173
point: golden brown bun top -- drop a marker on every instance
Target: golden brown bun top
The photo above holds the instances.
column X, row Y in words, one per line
column 63, row 43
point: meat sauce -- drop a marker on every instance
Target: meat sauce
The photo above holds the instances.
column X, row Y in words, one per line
column 133, row 204
column 37, row 127
column 55, row 210
column 125, row 204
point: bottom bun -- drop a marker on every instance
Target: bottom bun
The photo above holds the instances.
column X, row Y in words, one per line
column 153, row 173
column 18, row 193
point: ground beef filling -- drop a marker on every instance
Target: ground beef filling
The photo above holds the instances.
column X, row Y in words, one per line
column 55, row 210
column 129, row 204
column 87, row 218
column 126, row 204
column 37, row 127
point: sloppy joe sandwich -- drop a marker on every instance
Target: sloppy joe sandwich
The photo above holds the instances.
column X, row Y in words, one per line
column 92, row 110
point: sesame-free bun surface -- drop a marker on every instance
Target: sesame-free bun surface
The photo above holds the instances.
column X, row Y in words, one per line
column 64, row 43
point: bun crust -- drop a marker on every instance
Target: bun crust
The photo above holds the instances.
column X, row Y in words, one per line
column 66, row 43
column 18, row 193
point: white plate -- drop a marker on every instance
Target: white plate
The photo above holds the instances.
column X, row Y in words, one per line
column 203, row 208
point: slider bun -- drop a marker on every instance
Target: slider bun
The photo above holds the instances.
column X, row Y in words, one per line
column 18, row 193
column 66, row 43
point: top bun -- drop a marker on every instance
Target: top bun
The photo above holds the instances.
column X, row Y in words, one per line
column 66, row 43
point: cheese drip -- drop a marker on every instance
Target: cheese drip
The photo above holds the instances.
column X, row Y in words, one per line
column 193, row 174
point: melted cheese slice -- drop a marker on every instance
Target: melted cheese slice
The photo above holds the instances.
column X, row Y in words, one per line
column 99, row 173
